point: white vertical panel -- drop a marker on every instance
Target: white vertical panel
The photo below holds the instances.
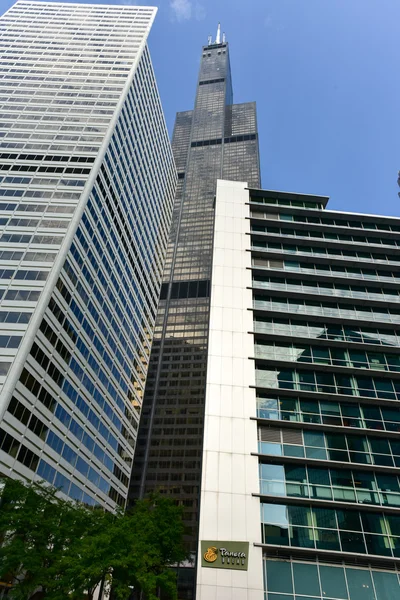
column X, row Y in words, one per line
column 230, row 474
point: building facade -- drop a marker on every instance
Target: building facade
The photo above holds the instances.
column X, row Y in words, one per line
column 216, row 139
column 87, row 181
column 301, row 448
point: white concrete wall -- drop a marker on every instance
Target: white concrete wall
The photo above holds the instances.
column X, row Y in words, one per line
column 230, row 474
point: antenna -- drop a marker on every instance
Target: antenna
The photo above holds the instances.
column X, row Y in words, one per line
column 223, row 38
column 218, row 38
column 209, row 40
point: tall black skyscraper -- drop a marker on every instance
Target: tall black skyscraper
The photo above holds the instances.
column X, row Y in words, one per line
column 216, row 140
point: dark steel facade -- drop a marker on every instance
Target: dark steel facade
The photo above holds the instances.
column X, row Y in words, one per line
column 217, row 140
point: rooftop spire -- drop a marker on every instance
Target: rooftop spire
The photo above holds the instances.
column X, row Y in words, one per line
column 218, row 38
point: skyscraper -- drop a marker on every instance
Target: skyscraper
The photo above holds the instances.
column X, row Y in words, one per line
column 300, row 489
column 87, row 184
column 216, row 139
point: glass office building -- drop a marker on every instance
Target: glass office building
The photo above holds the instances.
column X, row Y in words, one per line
column 216, row 139
column 87, row 181
column 302, row 448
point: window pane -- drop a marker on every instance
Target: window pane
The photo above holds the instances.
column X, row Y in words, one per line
column 360, row 584
column 279, row 576
column 386, row 585
column 333, row 583
column 306, row 579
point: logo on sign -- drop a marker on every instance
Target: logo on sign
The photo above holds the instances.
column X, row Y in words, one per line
column 211, row 555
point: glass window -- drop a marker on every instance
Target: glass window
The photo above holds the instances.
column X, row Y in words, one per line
column 279, row 576
column 314, row 438
column 318, row 476
column 386, row 585
column 394, row 524
column 333, row 583
column 299, row 515
column 325, row 517
column 379, row 445
column 352, row 542
column 327, row 539
column 360, row 584
column 349, row 520
column 378, row 544
column 274, row 513
column 306, row 579
column 276, row 535
column 295, row 474
column 272, row 472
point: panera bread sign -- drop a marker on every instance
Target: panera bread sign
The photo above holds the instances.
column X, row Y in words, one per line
column 225, row 555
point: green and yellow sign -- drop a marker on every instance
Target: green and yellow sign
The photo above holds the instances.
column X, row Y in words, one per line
column 225, row 555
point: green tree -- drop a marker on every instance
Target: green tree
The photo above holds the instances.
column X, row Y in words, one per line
column 32, row 529
column 55, row 549
column 132, row 550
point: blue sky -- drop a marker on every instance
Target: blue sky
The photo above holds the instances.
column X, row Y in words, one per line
column 325, row 76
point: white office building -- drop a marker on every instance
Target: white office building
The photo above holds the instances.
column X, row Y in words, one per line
column 87, row 181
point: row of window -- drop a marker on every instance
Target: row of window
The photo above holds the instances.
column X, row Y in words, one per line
column 356, row 255
column 331, row 270
column 344, row 414
column 16, row 238
column 325, row 235
column 10, row 341
column 324, row 288
column 356, row 359
column 328, row 383
column 15, row 317
column 347, row 531
column 391, row 225
column 7, row 206
column 48, row 223
column 326, row 309
column 329, row 446
column 342, row 485
column 327, row 582
column 47, row 157
column 310, row 329
column 22, row 274
column 21, row 295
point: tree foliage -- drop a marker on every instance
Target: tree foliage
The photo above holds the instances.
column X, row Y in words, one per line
column 55, row 549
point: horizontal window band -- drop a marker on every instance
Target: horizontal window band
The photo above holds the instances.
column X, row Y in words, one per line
column 187, row 289
column 326, row 427
column 324, row 368
column 240, row 138
column 332, row 343
column 49, row 157
column 227, row 140
column 336, row 504
column 324, row 464
column 207, row 81
column 326, row 397
column 311, row 554
column 214, row 142
column 264, row 311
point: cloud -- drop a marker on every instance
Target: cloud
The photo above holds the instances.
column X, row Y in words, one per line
column 184, row 10
column 200, row 12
